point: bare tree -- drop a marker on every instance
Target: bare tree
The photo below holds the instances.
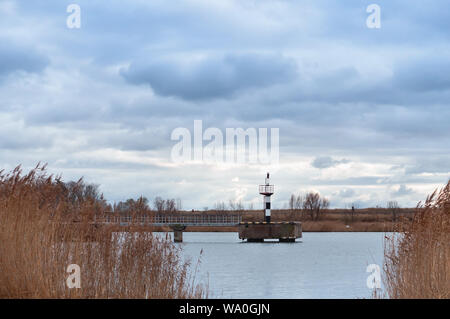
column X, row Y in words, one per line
column 166, row 205
column 394, row 208
column 141, row 204
column 170, row 206
column 80, row 192
column 236, row 205
column 292, row 202
column 296, row 204
column 314, row 205
column 299, row 202
column 159, row 204
column 179, row 204
column 220, row 206
column 131, row 205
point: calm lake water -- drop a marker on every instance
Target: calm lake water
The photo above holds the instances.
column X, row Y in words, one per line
column 320, row 265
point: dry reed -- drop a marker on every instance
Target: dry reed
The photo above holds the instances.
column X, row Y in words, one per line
column 42, row 232
column 417, row 257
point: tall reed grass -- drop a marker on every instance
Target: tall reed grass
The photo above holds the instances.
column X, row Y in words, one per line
column 417, row 257
column 42, row 231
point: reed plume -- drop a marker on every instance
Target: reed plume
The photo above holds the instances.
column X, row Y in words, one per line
column 43, row 230
column 417, row 257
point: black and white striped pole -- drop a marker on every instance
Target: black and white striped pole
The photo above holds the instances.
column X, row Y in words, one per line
column 267, row 191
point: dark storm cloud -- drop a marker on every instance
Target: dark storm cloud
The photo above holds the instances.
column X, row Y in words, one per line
column 211, row 77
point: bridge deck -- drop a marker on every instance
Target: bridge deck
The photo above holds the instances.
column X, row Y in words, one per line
column 167, row 220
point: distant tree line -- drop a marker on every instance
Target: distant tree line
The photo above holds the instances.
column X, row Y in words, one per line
column 310, row 204
column 313, row 205
column 142, row 204
column 80, row 192
column 235, row 205
column 167, row 205
column 132, row 205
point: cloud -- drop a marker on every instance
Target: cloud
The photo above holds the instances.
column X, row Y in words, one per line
column 438, row 164
column 402, row 190
column 347, row 193
column 102, row 101
column 18, row 137
column 423, row 74
column 211, row 77
column 15, row 58
column 327, row 162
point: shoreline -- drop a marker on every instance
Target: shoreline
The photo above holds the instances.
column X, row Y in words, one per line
column 307, row 226
column 331, row 220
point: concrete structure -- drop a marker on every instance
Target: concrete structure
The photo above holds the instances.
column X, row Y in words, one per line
column 250, row 231
column 178, row 223
column 258, row 232
column 178, row 232
column 165, row 222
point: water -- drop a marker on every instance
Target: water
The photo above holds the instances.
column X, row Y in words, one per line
column 320, row 265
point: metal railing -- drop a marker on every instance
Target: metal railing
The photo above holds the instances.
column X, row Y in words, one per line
column 162, row 220
column 266, row 189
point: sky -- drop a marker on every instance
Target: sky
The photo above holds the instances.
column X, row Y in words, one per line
column 362, row 112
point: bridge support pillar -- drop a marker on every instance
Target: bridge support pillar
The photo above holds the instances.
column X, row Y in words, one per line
column 178, row 236
column 178, row 233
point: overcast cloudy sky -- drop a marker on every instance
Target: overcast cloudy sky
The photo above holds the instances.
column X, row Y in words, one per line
column 363, row 113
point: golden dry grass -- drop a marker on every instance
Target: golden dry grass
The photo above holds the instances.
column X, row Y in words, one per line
column 417, row 258
column 39, row 239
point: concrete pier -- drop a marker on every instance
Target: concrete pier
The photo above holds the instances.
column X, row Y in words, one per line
column 285, row 232
column 178, row 236
column 178, row 232
column 179, row 223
